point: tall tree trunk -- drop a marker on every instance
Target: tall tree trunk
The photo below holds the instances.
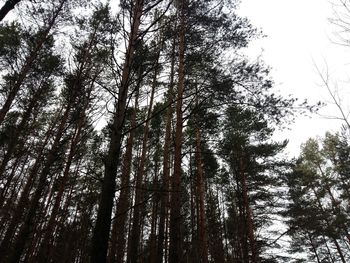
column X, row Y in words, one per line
column 202, row 233
column 139, row 192
column 214, row 228
column 153, row 235
column 23, row 199
column 340, row 252
column 328, row 250
column 46, row 241
column 166, row 161
column 193, row 214
column 248, row 213
column 25, row 230
column 103, row 223
column 242, row 246
column 156, row 200
column 175, row 249
column 118, row 241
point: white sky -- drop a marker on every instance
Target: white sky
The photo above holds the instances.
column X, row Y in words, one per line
column 298, row 32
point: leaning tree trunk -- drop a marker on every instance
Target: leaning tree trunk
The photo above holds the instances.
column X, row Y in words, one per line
column 103, row 223
column 46, row 242
column 26, row 228
column 23, row 199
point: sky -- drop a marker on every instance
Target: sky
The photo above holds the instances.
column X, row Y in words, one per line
column 299, row 39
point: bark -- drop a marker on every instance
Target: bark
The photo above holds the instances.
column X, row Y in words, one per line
column 22, row 203
column 328, row 250
column 156, row 202
column 18, row 167
column 26, row 228
column 153, row 240
column 215, row 229
column 242, row 245
column 118, row 241
column 103, row 223
column 327, row 223
column 166, row 162
column 139, row 192
column 194, row 215
column 175, row 246
column 7, row 7
column 339, row 250
column 203, row 239
column 249, row 216
column 335, row 202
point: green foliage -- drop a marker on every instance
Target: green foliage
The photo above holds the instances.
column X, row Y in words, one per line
column 317, row 211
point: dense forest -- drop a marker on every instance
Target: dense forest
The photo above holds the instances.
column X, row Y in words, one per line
column 138, row 131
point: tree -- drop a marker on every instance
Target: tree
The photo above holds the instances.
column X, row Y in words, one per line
column 313, row 186
column 7, row 7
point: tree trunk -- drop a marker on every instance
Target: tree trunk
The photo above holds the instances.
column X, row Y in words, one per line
column 175, row 249
column 103, row 223
column 202, row 233
column 166, row 161
column 139, row 192
column 154, row 217
column 46, row 242
column 193, row 215
column 242, row 245
column 27, row 226
column 118, row 241
column 340, row 252
column 249, row 216
column 23, row 199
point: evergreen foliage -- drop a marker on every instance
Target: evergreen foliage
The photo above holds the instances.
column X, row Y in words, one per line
column 140, row 133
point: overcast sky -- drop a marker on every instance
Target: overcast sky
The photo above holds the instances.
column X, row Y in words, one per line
column 299, row 33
